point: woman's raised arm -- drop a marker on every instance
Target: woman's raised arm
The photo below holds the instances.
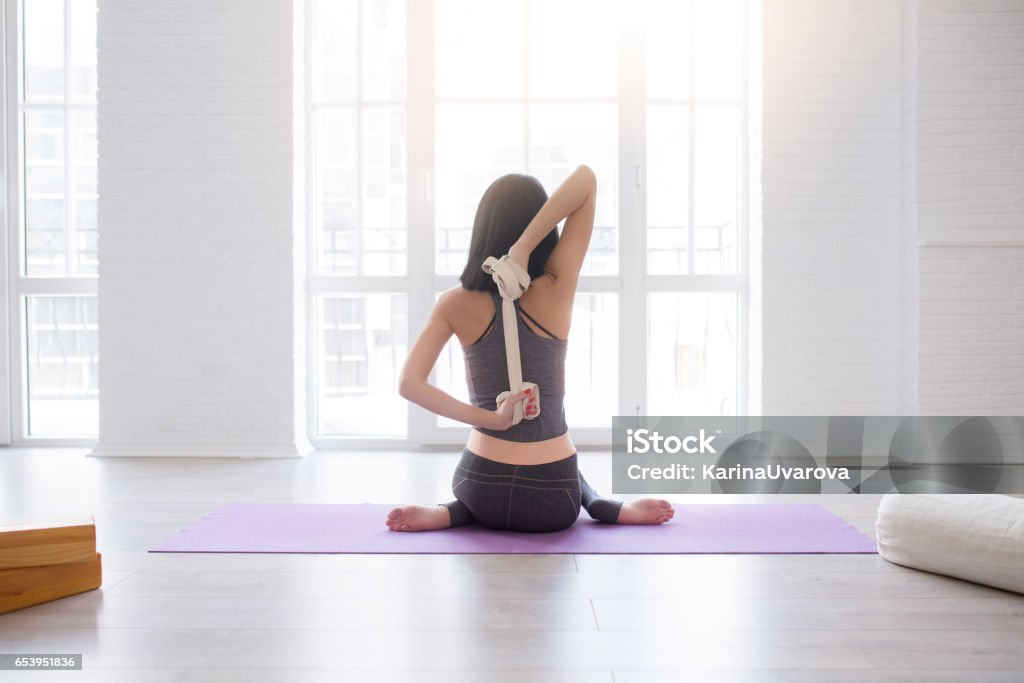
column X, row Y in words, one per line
column 574, row 200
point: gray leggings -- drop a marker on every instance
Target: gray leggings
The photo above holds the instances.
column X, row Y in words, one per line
column 533, row 498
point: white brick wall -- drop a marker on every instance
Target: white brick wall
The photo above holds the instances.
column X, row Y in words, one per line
column 909, row 318
column 831, row 185
column 972, row 331
column 970, row 190
column 197, row 288
column 970, row 81
column 893, row 189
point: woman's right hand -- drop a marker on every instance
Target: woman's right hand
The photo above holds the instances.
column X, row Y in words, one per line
column 519, row 255
column 503, row 415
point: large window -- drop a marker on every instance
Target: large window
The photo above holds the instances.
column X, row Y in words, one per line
column 52, row 217
column 359, row 215
column 415, row 108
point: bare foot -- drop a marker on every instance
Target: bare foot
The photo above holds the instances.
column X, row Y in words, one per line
column 646, row 511
column 419, row 518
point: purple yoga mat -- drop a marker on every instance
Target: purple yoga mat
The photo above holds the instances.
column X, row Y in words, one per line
column 696, row 529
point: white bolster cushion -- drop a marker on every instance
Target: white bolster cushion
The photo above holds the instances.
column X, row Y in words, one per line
column 976, row 537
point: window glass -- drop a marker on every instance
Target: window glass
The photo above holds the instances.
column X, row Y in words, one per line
column 361, row 346
column 62, row 366
column 591, row 370
column 573, row 48
column 45, row 193
column 716, row 41
column 716, row 192
column 479, row 48
column 667, row 47
column 44, row 50
column 562, row 137
column 668, row 188
column 475, row 145
column 692, row 345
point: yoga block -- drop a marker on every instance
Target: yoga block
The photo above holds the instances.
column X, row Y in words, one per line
column 27, row 586
column 47, row 541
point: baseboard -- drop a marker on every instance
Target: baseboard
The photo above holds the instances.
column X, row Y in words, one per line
column 297, row 450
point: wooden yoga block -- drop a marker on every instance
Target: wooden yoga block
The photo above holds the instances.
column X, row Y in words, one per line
column 47, row 541
column 27, row 586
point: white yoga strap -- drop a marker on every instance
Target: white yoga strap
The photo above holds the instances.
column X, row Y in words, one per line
column 512, row 283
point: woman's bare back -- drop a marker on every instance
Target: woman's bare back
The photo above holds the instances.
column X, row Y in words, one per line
column 469, row 313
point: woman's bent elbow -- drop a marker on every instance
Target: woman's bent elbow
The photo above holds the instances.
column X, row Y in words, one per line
column 406, row 388
column 587, row 173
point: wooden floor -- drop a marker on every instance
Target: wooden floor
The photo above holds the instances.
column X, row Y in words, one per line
column 494, row 618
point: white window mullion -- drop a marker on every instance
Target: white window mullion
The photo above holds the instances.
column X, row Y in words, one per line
column 348, row 284
column 10, row 349
column 421, row 252
column 695, row 283
column 360, row 236
column 312, row 235
column 69, row 204
column 632, row 221
column 691, row 140
column 55, row 286
column 743, row 218
column 525, row 94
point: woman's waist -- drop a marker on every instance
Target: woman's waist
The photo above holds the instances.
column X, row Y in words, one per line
column 520, row 452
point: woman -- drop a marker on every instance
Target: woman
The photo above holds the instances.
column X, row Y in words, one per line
column 521, row 477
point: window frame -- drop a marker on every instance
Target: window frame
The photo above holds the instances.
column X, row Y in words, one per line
column 21, row 286
column 631, row 284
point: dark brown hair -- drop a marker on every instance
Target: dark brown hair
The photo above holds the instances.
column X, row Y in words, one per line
column 506, row 208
